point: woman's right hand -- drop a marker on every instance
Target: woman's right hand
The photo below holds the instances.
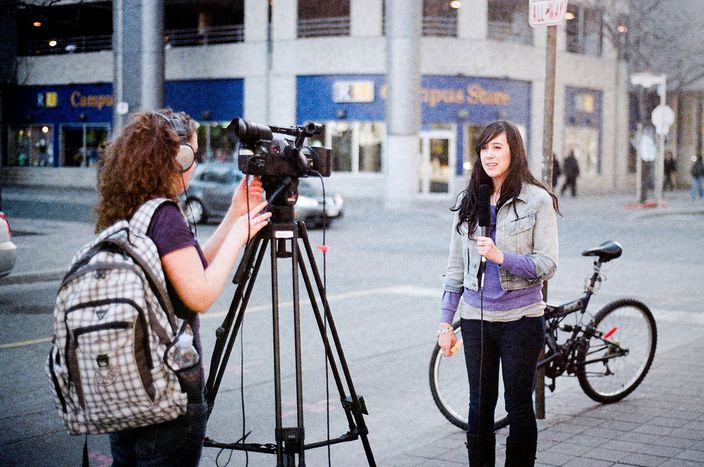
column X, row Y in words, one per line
column 447, row 341
column 251, row 223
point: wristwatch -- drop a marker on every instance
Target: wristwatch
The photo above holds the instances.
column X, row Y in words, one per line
column 444, row 330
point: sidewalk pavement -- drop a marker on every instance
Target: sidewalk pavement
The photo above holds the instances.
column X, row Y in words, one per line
column 661, row 423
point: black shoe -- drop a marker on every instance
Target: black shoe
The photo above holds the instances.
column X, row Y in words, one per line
column 520, row 453
column 481, row 451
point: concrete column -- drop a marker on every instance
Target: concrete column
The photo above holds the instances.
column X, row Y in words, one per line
column 138, row 56
column 366, row 18
column 256, row 21
column 472, row 20
column 284, row 20
column 403, row 33
column 256, row 83
column 153, row 55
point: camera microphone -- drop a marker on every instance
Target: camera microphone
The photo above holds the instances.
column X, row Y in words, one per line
column 483, row 220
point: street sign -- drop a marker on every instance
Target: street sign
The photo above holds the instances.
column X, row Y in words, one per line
column 546, row 12
column 662, row 117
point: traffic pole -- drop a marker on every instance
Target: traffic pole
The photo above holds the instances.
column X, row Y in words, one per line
column 548, row 123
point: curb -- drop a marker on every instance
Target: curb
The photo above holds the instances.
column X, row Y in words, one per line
column 32, row 277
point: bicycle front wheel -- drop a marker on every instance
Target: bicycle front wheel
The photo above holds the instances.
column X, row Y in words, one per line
column 615, row 360
column 448, row 383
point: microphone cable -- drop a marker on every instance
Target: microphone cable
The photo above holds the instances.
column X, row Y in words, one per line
column 324, row 249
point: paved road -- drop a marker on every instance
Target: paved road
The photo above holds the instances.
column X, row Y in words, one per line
column 383, row 277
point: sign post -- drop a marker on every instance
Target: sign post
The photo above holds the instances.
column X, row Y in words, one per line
column 548, row 13
column 662, row 118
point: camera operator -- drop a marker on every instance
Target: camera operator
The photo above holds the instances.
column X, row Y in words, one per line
column 149, row 160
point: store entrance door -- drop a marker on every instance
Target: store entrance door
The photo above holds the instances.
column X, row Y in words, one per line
column 437, row 149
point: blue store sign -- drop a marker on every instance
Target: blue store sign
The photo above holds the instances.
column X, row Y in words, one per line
column 444, row 99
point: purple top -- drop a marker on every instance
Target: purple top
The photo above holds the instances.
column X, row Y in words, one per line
column 169, row 232
column 495, row 298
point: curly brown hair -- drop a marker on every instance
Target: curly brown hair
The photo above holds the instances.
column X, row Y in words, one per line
column 139, row 165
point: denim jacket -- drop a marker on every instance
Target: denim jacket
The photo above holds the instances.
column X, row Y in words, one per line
column 530, row 229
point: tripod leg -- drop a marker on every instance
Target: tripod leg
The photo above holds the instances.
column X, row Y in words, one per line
column 297, row 349
column 356, row 404
column 238, row 306
column 279, row 432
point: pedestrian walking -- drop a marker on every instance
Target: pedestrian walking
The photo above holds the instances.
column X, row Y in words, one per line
column 154, row 157
column 571, row 171
column 697, row 173
column 556, row 171
column 502, row 322
column 670, row 169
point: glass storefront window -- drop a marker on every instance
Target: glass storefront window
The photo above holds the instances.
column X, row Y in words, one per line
column 341, row 144
column 356, row 146
column 371, row 136
column 82, row 145
column 584, row 141
column 31, row 146
column 213, row 143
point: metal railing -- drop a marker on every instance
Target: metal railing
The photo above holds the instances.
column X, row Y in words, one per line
column 440, row 26
column 211, row 35
column 172, row 38
column 65, row 45
column 320, row 27
column 435, row 26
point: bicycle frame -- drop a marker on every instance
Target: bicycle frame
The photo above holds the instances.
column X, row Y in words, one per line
column 580, row 333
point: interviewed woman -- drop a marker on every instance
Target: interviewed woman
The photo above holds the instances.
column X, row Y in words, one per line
column 502, row 322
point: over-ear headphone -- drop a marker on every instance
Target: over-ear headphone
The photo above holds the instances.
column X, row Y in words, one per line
column 186, row 156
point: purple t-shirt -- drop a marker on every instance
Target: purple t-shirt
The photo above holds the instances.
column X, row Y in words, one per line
column 496, row 298
column 170, row 232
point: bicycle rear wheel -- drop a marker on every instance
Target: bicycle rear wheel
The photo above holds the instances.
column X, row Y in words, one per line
column 448, row 383
column 450, row 389
column 613, row 364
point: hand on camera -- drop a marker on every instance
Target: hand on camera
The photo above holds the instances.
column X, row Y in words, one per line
column 447, row 341
column 251, row 223
column 239, row 197
column 486, row 248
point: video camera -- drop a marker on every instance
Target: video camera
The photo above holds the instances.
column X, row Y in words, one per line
column 279, row 162
column 272, row 157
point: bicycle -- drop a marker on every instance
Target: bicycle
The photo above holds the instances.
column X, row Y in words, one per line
column 610, row 353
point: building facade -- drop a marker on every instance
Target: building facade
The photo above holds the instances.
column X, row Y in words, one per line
column 294, row 61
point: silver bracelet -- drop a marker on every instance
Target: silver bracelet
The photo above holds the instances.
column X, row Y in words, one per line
column 444, row 330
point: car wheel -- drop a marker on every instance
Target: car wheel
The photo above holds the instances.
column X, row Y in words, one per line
column 195, row 211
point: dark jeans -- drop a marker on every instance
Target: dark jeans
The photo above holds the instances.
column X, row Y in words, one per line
column 178, row 442
column 517, row 345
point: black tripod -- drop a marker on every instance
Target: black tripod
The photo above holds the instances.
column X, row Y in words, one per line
column 289, row 440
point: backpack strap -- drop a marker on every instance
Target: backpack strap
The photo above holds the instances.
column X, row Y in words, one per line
column 139, row 223
column 138, row 226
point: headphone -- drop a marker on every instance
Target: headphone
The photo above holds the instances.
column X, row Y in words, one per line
column 186, row 156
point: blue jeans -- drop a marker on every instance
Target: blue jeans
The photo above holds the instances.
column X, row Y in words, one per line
column 517, row 345
column 178, row 442
column 697, row 187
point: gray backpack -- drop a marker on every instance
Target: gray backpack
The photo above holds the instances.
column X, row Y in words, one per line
column 114, row 328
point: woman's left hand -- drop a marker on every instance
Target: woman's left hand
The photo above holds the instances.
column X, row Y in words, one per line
column 486, row 248
column 239, row 197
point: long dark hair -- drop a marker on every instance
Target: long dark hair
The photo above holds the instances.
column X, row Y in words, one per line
column 518, row 173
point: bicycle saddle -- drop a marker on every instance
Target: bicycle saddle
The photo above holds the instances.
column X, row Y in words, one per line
column 606, row 251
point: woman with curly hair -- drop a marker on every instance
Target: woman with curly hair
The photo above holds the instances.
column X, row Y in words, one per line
column 502, row 322
column 150, row 160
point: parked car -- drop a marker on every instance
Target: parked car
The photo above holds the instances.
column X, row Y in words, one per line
column 210, row 193
column 8, row 250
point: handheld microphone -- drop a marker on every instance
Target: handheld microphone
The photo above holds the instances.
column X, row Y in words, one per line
column 483, row 220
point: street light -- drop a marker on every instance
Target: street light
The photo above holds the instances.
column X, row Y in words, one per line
column 662, row 118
